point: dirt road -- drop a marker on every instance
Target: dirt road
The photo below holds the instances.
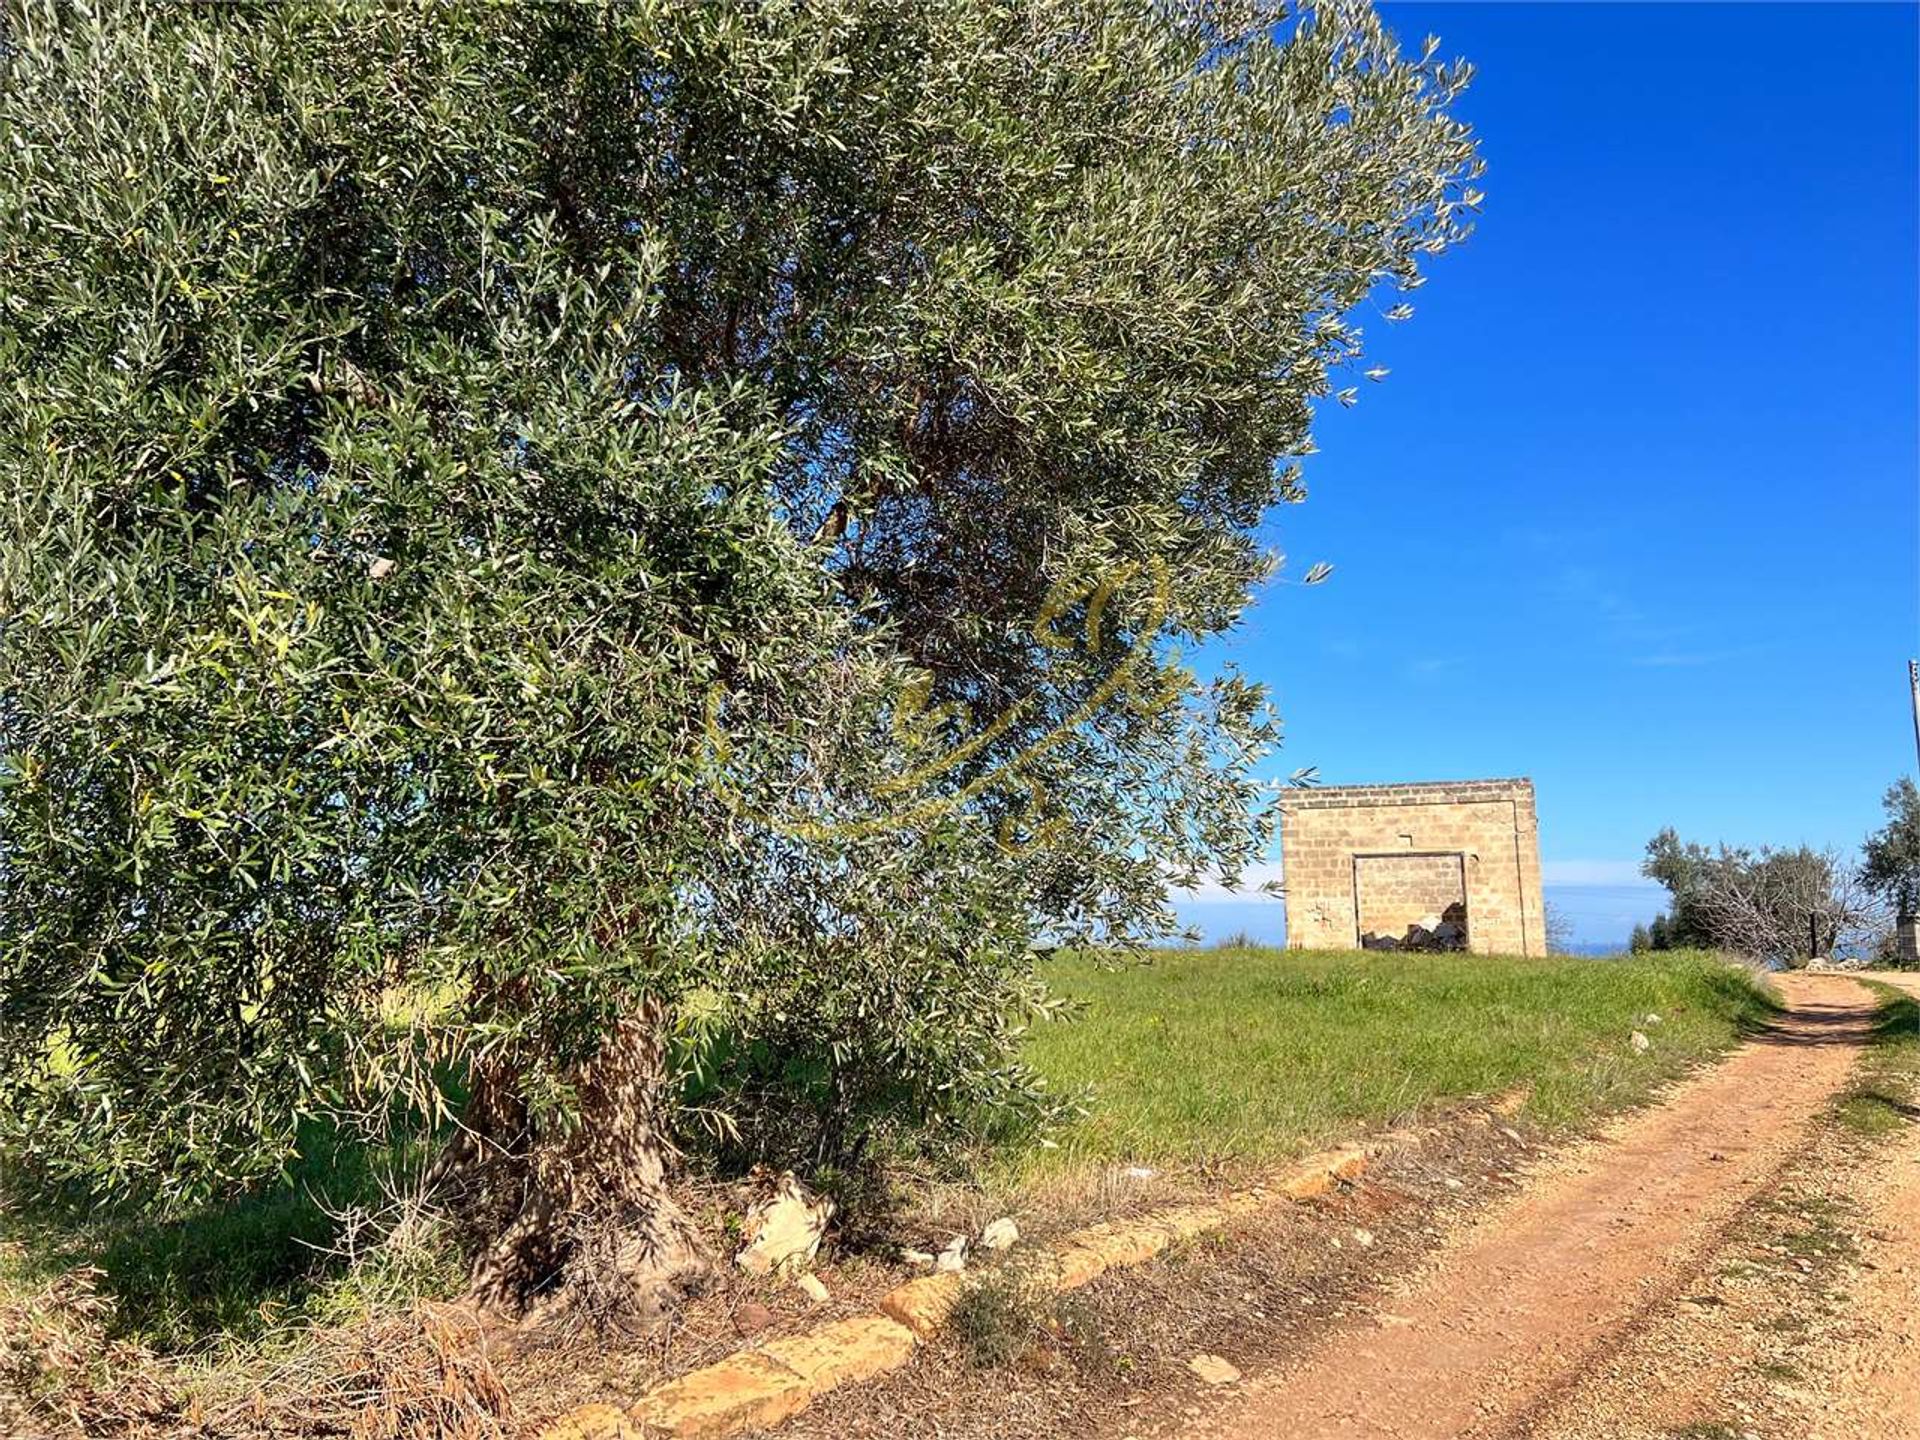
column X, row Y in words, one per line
column 1587, row 1305
column 1875, row 1382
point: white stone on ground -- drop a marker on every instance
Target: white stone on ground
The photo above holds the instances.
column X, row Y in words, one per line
column 1213, row 1369
column 999, row 1234
column 783, row 1231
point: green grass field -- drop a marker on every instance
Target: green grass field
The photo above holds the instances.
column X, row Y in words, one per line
column 1241, row 1054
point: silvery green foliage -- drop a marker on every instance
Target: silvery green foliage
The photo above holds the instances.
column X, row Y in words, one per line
column 1778, row 905
column 1891, row 855
column 486, row 489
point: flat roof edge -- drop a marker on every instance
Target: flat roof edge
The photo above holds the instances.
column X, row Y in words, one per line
column 1311, row 797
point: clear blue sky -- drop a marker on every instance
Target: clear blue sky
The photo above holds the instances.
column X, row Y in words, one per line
column 1635, row 512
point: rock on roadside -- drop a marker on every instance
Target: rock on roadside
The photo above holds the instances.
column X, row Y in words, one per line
column 784, row 1230
column 1213, row 1369
column 999, row 1235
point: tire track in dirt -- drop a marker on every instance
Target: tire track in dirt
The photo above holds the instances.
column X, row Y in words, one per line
column 1507, row 1316
column 1875, row 1387
column 1798, row 1325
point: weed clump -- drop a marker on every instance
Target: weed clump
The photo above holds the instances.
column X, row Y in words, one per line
column 1003, row 1314
column 1012, row 1316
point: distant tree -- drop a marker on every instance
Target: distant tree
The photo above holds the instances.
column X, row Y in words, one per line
column 1640, row 941
column 1780, row 905
column 1660, row 934
column 1559, row 929
column 1891, row 866
column 1679, row 866
column 532, row 543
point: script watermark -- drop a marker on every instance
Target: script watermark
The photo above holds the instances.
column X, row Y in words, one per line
column 923, row 729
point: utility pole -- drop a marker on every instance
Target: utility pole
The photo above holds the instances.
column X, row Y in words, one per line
column 1913, row 679
column 1906, row 927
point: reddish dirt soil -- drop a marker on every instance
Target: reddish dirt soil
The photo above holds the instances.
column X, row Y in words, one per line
column 1799, row 1323
column 1731, row 1264
column 1114, row 1358
column 1875, row 1382
column 1519, row 1315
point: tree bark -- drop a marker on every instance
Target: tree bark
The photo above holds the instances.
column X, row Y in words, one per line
column 583, row 1219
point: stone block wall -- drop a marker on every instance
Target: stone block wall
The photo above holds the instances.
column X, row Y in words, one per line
column 1365, row 858
column 1392, row 892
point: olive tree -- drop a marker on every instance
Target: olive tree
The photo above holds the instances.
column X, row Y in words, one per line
column 1773, row 904
column 584, row 576
column 1892, row 853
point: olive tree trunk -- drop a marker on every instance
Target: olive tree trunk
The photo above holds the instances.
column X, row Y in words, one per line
column 582, row 1218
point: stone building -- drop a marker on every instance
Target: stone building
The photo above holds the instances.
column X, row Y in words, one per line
column 1366, row 864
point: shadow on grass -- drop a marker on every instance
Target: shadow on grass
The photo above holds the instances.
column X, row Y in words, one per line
column 227, row 1272
column 1898, row 1019
column 1882, row 1100
column 1870, row 1110
column 1754, row 1010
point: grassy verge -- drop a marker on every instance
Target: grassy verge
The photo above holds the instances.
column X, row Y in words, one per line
column 237, row 1273
column 1251, row 1054
column 114, row 1323
column 1887, row 1085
